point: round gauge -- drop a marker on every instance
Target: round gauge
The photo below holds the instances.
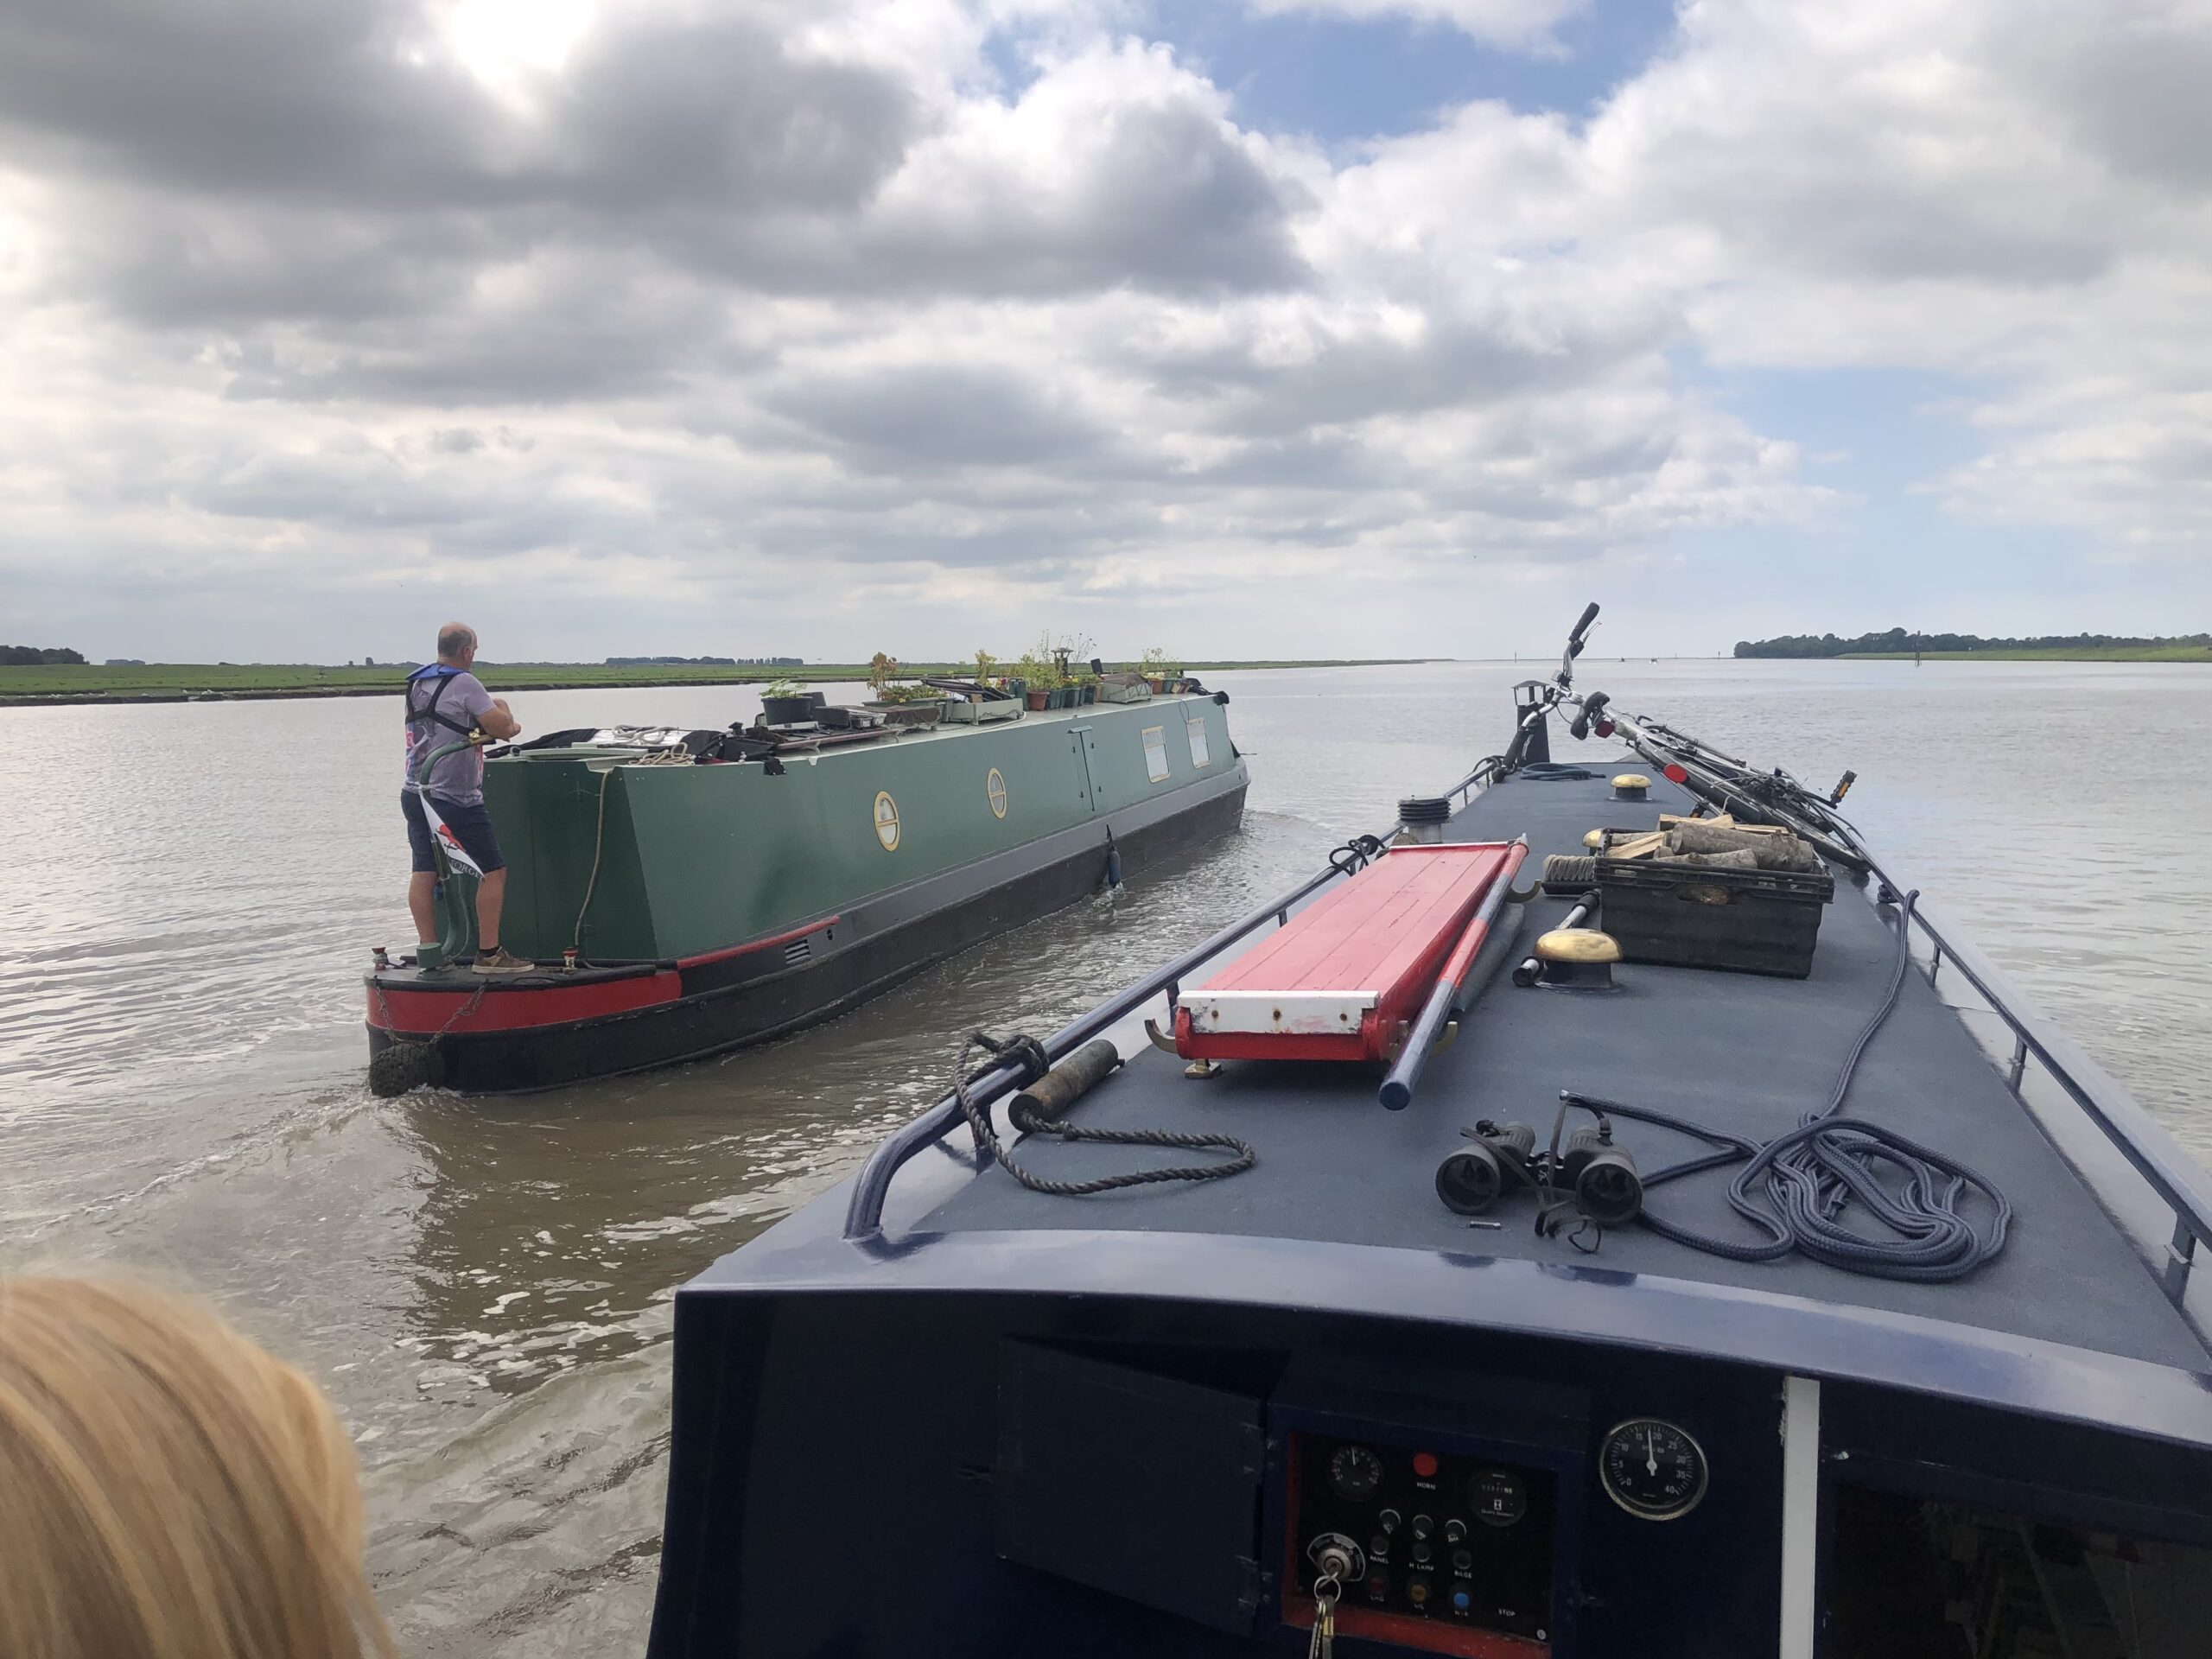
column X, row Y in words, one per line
column 1355, row 1472
column 1498, row 1497
column 1651, row 1469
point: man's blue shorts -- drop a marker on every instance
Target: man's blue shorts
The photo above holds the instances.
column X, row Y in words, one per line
column 472, row 825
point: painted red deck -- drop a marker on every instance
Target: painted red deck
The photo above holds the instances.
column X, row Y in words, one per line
column 1339, row 979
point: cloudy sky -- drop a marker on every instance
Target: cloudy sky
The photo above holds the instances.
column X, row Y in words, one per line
column 1284, row 328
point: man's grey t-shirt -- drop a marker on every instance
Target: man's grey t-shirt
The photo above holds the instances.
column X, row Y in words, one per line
column 458, row 778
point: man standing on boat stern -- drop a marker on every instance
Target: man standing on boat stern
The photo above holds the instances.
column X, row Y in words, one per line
column 445, row 704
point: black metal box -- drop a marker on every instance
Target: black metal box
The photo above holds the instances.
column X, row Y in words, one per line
column 1700, row 916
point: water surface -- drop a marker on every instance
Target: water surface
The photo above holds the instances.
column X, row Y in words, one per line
column 189, row 893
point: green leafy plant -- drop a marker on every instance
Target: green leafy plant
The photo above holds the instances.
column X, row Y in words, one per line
column 1038, row 669
column 984, row 664
column 908, row 693
column 781, row 689
column 881, row 668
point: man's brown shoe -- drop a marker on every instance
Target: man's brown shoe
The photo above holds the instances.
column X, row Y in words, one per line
column 500, row 962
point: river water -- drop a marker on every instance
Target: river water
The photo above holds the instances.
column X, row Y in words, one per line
column 188, row 894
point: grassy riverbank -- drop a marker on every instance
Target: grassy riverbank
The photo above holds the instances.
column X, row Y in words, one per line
column 2171, row 653
column 90, row 682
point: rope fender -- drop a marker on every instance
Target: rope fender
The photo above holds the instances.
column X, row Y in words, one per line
column 1028, row 1056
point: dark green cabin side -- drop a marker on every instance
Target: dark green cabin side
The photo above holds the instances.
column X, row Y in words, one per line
column 694, row 858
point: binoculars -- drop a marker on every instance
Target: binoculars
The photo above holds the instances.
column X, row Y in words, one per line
column 1600, row 1176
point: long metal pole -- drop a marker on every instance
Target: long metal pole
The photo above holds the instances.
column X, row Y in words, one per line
column 1397, row 1091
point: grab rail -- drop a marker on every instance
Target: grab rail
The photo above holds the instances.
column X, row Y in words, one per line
column 864, row 1213
column 2133, row 1132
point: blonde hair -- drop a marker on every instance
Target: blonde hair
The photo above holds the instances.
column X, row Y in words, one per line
column 166, row 1489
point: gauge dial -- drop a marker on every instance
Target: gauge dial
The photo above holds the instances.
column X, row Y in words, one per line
column 1498, row 1497
column 1355, row 1472
column 1652, row 1469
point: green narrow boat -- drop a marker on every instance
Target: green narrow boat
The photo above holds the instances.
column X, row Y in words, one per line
column 682, row 903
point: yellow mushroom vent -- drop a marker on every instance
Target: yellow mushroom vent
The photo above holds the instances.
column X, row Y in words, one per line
column 1578, row 945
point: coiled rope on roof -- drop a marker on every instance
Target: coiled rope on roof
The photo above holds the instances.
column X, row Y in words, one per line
column 1798, row 1188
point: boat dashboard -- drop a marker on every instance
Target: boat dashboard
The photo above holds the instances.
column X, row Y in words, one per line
column 1005, row 1472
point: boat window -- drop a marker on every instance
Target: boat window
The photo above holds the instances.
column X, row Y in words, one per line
column 1155, row 752
column 1913, row 1576
column 1195, row 726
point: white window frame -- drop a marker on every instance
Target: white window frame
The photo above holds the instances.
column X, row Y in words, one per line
column 1155, row 753
column 1194, row 728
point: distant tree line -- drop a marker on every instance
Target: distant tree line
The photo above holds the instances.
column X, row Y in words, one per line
column 705, row 661
column 1827, row 645
column 37, row 655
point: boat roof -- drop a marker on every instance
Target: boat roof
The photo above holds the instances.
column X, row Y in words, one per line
column 899, row 736
column 1741, row 1053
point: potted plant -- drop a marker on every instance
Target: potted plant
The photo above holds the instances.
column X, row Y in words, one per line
column 1038, row 675
column 783, row 703
column 909, row 705
column 1154, row 669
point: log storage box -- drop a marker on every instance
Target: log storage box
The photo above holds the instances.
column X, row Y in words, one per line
column 1700, row 916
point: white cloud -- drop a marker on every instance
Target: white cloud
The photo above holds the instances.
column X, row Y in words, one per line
column 631, row 323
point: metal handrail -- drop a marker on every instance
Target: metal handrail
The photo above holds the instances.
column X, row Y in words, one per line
column 1465, row 787
column 2179, row 1183
column 864, row 1212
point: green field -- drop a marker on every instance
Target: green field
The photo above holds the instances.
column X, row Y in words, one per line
column 177, row 682
column 2181, row 653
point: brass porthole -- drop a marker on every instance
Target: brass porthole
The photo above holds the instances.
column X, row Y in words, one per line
column 995, row 788
column 887, row 821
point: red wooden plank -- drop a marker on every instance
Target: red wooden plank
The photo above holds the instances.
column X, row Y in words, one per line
column 1381, row 938
column 1370, row 932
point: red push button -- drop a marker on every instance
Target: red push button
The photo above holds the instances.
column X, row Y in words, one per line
column 1425, row 1464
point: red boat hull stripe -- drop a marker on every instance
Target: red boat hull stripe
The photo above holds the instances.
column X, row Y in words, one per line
column 506, row 1008
column 751, row 945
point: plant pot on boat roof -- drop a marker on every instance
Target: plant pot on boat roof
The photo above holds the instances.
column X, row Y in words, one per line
column 1039, row 674
column 894, row 696
column 782, row 703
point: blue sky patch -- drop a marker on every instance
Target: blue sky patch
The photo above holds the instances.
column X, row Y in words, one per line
column 1340, row 80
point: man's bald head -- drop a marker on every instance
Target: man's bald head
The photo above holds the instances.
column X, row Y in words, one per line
column 456, row 640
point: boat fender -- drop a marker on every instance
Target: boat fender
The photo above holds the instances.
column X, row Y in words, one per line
column 1027, row 1055
column 1113, row 864
column 1065, row 1084
column 400, row 1066
column 1565, row 873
